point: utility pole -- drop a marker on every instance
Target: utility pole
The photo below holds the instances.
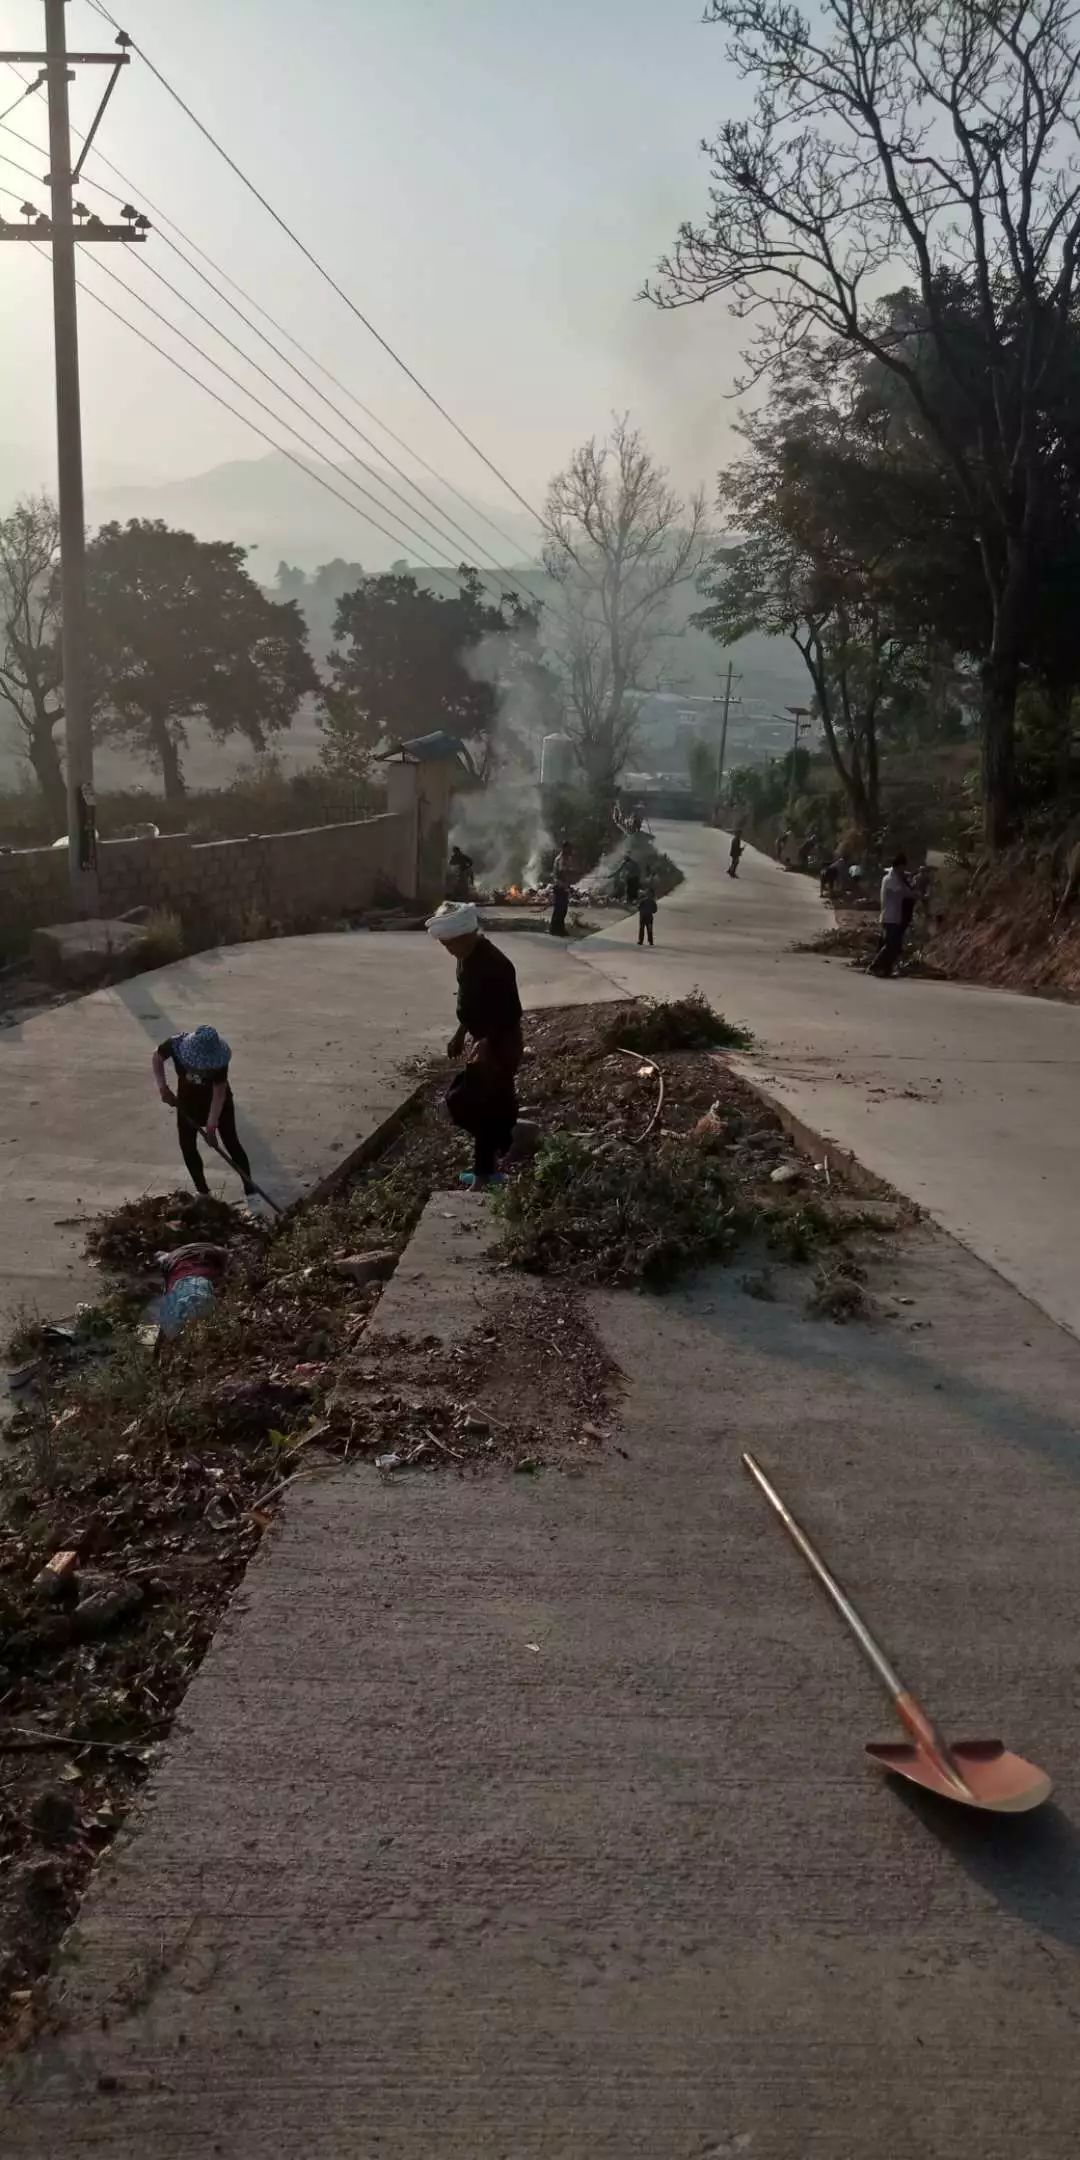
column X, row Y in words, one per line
column 721, row 760
column 799, row 713
column 62, row 231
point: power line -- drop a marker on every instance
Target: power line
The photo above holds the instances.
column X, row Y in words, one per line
column 164, row 219
column 279, row 421
column 322, row 270
column 145, row 339
column 28, row 91
column 511, row 577
column 288, row 395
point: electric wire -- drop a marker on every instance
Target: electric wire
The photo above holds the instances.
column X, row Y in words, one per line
column 477, row 547
column 324, row 273
column 281, row 449
column 28, row 91
column 281, row 391
column 277, row 418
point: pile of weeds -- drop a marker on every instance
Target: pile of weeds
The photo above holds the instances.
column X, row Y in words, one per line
column 125, row 1241
column 687, row 1023
column 615, row 1213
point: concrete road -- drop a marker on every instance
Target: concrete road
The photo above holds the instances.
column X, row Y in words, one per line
column 322, row 1031
column 965, row 1099
column 523, row 1818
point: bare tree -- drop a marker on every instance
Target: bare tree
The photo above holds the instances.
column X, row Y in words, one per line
column 620, row 541
column 30, row 668
column 937, row 145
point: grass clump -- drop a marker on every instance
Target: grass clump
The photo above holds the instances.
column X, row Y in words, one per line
column 164, row 935
column 839, row 1293
column 607, row 1212
column 687, row 1023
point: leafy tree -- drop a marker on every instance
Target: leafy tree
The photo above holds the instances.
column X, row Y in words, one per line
column 290, row 583
column 931, row 141
column 620, row 542
column 409, row 660
column 31, row 673
column 180, row 631
column 828, row 523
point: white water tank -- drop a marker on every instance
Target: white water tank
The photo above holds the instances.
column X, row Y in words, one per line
column 556, row 761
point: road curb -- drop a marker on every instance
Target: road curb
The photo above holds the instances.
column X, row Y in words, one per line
column 810, row 1143
column 368, row 1149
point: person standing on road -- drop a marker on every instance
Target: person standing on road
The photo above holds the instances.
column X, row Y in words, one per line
column 482, row 1099
column 897, row 907
column 560, row 890
column 202, row 1099
column 833, row 876
column 735, row 856
column 646, row 914
column 459, row 875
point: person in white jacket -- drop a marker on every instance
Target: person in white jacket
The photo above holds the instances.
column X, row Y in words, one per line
column 897, row 900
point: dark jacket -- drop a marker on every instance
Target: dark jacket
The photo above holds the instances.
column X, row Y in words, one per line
column 488, row 1005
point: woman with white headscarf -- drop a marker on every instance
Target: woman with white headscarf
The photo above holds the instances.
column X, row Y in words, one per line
column 482, row 1099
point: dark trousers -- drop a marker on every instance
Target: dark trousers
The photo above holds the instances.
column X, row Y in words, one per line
column 193, row 1101
column 560, row 902
column 482, row 1101
column 644, row 929
column 890, row 948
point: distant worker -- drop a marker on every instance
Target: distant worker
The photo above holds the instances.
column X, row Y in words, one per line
column 631, row 880
column 897, row 908
column 481, row 1099
column 561, row 873
column 646, row 913
column 736, row 854
column 459, row 875
column 202, row 1099
column 834, row 876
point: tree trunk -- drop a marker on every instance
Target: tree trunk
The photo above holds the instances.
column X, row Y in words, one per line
column 862, row 805
column 1000, row 682
column 168, row 757
column 872, row 788
column 48, row 771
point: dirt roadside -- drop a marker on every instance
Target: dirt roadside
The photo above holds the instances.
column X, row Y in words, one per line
column 157, row 1478
column 528, row 1813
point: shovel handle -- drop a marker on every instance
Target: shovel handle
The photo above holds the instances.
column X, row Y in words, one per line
column 909, row 1710
column 871, row 1650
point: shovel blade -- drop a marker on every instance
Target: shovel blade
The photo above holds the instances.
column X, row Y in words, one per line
column 993, row 1779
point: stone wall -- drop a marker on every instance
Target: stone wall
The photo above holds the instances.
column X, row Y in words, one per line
column 291, row 881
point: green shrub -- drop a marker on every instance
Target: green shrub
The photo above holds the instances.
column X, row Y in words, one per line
column 610, row 1212
column 687, row 1023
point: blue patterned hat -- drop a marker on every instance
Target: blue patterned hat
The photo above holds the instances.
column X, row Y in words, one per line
column 203, row 1051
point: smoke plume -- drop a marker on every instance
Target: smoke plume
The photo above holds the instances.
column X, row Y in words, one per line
column 502, row 825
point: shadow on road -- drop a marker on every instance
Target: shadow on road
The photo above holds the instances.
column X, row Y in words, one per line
column 1030, row 1864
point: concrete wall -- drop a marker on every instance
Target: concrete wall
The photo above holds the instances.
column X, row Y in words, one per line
column 290, row 880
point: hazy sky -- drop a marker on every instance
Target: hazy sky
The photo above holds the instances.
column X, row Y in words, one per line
column 490, row 180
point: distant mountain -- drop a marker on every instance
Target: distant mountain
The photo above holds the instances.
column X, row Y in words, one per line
column 268, row 504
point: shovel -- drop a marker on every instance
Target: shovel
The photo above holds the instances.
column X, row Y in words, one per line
column 977, row 1773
